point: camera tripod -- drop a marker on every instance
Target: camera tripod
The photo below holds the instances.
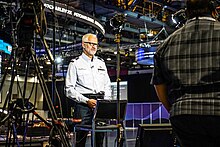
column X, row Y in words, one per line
column 24, row 53
column 57, row 127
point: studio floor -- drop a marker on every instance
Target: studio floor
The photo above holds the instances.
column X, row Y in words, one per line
column 43, row 141
column 131, row 134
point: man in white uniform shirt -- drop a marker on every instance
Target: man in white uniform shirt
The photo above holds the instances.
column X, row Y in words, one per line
column 86, row 80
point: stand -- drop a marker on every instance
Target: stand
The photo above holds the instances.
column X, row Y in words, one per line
column 117, row 22
column 120, row 129
column 58, row 127
column 26, row 53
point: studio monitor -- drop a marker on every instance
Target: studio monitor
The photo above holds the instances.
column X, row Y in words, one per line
column 155, row 135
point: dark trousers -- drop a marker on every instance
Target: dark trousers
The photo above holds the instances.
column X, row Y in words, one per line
column 85, row 113
column 197, row 130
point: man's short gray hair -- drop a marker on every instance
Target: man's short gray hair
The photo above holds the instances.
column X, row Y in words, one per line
column 86, row 36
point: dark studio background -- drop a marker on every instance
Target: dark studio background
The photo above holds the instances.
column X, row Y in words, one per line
column 139, row 88
column 139, row 91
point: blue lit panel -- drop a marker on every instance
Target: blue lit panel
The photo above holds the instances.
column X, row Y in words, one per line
column 5, row 47
column 144, row 55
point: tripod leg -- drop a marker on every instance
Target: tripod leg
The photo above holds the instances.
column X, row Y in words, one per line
column 11, row 130
column 59, row 128
column 8, row 117
column 15, row 134
column 25, row 80
column 8, row 136
column 8, row 96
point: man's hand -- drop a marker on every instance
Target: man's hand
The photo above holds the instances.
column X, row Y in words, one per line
column 91, row 103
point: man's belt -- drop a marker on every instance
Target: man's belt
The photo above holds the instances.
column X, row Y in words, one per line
column 94, row 96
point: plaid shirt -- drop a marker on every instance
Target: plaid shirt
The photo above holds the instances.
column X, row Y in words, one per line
column 188, row 62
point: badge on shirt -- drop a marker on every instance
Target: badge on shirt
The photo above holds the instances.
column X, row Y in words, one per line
column 82, row 69
column 100, row 68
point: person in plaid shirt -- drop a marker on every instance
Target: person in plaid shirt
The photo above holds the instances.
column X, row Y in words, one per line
column 187, row 76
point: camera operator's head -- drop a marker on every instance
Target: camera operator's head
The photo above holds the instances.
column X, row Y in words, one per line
column 198, row 8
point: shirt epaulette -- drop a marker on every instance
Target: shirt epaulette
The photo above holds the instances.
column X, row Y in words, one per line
column 72, row 60
column 100, row 59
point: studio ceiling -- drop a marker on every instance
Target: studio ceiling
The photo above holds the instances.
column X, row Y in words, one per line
column 141, row 18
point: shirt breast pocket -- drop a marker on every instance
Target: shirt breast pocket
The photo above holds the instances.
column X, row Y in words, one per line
column 101, row 73
column 83, row 75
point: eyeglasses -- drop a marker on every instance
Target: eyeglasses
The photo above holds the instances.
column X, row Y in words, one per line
column 91, row 43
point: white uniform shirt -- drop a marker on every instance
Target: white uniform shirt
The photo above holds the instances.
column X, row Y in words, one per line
column 86, row 76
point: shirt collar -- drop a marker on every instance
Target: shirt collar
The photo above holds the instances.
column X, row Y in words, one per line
column 85, row 57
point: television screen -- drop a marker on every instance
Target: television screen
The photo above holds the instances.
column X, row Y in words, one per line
column 123, row 90
column 155, row 135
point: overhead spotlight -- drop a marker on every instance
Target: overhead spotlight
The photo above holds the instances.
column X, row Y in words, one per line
column 58, row 60
column 127, row 53
column 108, row 59
column 48, row 62
column 117, row 21
column 4, row 111
column 134, row 63
column 142, row 36
column 64, row 35
column 150, row 34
